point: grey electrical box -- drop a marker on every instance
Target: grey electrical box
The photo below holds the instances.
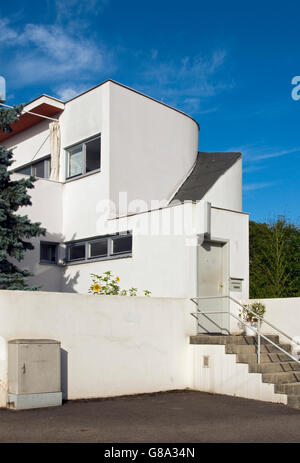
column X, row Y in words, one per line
column 236, row 284
column 34, row 373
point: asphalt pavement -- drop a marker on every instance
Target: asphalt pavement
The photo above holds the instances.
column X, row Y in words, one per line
column 164, row 417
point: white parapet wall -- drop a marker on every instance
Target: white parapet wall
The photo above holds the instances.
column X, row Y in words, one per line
column 283, row 313
column 111, row 345
column 215, row 371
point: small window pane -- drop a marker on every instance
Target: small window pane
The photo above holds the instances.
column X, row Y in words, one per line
column 75, row 162
column 47, row 167
column 92, row 155
column 48, row 252
column 38, row 169
column 77, row 252
column 24, row 171
column 122, row 245
column 98, row 248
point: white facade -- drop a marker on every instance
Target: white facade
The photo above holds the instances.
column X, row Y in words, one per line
column 148, row 150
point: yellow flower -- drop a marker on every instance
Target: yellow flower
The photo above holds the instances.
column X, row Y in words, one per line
column 118, row 278
column 96, row 287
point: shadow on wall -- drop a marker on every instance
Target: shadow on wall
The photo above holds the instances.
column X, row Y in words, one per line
column 48, row 277
column 64, row 373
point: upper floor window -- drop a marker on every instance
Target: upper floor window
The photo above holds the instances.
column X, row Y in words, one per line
column 84, row 158
column 37, row 169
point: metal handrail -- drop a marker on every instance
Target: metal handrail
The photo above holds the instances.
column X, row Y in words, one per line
column 257, row 331
column 253, row 313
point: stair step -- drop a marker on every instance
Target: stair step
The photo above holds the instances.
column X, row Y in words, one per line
column 252, row 349
column 293, row 401
column 287, row 388
column 282, row 377
column 273, row 367
column 264, row 358
column 228, row 339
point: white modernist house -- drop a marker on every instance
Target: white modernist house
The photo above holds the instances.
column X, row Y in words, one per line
column 122, row 187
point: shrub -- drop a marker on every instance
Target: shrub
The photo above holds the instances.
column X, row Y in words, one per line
column 107, row 284
column 257, row 308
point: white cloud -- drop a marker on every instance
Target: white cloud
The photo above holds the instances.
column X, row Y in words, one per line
column 254, row 153
column 7, row 33
column 185, row 83
column 66, row 93
column 258, row 185
column 274, row 154
column 71, row 9
column 67, row 54
column 51, row 53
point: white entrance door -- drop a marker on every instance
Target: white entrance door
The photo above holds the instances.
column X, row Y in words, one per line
column 213, row 281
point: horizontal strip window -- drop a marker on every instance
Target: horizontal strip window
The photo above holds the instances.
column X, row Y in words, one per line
column 100, row 248
column 83, row 158
column 39, row 169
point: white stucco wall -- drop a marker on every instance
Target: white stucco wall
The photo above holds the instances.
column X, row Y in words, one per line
column 166, row 264
column 225, row 376
column 30, row 145
column 82, row 118
column 152, row 147
column 283, row 313
column 147, row 149
column 114, row 345
column 46, row 198
column 235, row 227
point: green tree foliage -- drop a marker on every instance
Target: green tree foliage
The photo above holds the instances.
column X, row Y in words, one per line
column 274, row 259
column 15, row 229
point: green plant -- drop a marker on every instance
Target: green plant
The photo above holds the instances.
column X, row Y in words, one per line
column 257, row 309
column 107, row 284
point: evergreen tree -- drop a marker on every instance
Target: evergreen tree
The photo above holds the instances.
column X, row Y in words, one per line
column 274, row 259
column 15, row 229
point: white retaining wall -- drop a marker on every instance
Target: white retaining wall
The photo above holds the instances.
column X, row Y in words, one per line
column 225, row 376
column 112, row 345
column 284, row 313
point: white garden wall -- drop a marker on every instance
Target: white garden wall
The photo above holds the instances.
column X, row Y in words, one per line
column 225, row 376
column 284, row 313
column 111, row 345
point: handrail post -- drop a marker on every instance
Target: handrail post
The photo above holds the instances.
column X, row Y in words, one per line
column 258, row 343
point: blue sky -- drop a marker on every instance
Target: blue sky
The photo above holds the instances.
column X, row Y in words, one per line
column 229, row 64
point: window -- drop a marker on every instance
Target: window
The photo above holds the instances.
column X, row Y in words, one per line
column 122, row 244
column 38, row 169
column 103, row 247
column 84, row 158
column 77, row 251
column 48, row 252
column 98, row 248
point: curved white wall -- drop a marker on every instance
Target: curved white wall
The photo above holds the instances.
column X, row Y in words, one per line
column 152, row 147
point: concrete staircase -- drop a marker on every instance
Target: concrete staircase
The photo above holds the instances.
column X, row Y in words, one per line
column 275, row 367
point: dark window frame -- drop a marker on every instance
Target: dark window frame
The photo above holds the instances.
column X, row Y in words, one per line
column 87, row 242
column 68, row 151
column 47, row 167
column 49, row 243
column 116, row 238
